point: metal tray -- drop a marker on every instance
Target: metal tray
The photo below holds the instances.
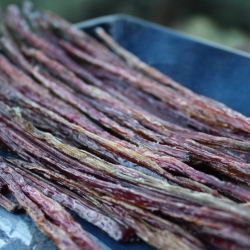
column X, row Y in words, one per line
column 206, row 68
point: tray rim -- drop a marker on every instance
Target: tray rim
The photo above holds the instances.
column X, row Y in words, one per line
column 181, row 35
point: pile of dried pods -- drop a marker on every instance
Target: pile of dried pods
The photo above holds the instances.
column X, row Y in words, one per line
column 97, row 131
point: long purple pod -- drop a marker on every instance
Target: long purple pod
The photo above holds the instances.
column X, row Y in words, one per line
column 220, row 217
column 52, row 117
column 12, row 16
column 71, row 97
column 99, row 94
column 204, row 235
column 46, row 20
column 194, row 122
column 142, row 117
column 97, row 83
column 237, row 240
column 28, row 147
column 54, row 158
column 185, row 238
column 169, row 117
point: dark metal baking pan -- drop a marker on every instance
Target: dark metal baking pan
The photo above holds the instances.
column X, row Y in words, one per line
column 206, row 68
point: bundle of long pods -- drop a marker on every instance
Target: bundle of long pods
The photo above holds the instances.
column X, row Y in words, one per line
column 95, row 130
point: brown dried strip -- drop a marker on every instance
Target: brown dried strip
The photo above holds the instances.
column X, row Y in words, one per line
column 143, row 101
column 67, row 28
column 158, row 125
column 134, row 61
column 187, row 184
column 136, row 212
column 137, row 63
column 79, row 134
column 99, row 83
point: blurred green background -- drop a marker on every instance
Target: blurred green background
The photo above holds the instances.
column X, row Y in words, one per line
column 223, row 21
